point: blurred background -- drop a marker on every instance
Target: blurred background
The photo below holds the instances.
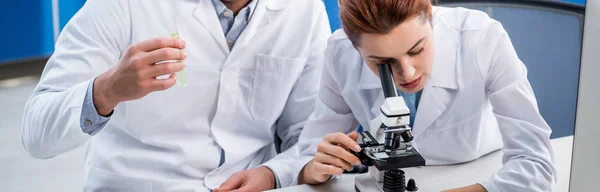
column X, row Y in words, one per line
column 547, row 37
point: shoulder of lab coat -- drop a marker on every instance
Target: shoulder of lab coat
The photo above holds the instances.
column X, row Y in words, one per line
column 300, row 103
column 528, row 156
column 90, row 44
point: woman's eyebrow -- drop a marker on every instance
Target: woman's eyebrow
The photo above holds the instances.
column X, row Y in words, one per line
column 387, row 58
column 417, row 43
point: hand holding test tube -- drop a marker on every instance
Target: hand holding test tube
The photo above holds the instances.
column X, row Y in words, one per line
column 174, row 33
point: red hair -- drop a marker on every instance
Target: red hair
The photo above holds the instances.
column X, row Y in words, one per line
column 379, row 16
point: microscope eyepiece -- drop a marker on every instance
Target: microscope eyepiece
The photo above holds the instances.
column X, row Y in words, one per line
column 387, row 80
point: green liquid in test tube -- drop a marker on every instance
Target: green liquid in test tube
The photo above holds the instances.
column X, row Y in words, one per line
column 181, row 76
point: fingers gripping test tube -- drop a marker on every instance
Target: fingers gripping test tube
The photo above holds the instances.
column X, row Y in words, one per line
column 174, row 33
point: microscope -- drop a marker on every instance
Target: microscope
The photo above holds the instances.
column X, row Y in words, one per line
column 390, row 149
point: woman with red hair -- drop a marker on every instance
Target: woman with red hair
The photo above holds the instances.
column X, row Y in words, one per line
column 458, row 73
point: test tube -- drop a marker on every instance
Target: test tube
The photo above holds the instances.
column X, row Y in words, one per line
column 174, row 33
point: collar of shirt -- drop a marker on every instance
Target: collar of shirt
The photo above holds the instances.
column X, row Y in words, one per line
column 245, row 12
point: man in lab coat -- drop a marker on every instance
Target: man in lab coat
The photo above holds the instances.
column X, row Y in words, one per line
column 252, row 69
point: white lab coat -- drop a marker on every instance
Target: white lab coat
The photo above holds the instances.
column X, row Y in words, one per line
column 172, row 140
column 477, row 100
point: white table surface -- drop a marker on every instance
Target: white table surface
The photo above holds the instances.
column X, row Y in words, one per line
column 437, row 178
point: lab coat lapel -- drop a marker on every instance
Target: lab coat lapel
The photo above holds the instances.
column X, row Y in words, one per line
column 368, row 81
column 205, row 13
column 266, row 11
column 442, row 78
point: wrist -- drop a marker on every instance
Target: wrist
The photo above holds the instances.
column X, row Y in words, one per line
column 308, row 177
column 103, row 97
column 270, row 175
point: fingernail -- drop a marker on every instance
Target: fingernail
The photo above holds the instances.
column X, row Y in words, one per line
column 357, row 148
column 184, row 55
column 357, row 163
column 182, row 42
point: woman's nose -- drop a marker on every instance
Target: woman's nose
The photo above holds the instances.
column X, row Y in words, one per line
column 405, row 71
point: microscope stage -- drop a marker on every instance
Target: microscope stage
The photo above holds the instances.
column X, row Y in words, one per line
column 398, row 162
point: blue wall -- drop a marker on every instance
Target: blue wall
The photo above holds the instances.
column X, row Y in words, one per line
column 576, row 1
column 334, row 17
column 333, row 13
column 21, row 29
column 27, row 27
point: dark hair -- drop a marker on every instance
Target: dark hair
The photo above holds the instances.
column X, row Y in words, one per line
column 379, row 16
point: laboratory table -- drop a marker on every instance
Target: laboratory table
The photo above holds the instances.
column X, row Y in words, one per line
column 438, row 178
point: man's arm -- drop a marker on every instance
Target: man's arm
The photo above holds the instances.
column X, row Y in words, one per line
column 90, row 44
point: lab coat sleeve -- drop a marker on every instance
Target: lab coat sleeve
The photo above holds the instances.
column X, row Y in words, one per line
column 331, row 115
column 300, row 103
column 90, row 44
column 528, row 161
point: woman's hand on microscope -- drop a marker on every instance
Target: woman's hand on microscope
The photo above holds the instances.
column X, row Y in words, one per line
column 332, row 158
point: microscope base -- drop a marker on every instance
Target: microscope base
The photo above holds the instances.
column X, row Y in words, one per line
column 366, row 183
